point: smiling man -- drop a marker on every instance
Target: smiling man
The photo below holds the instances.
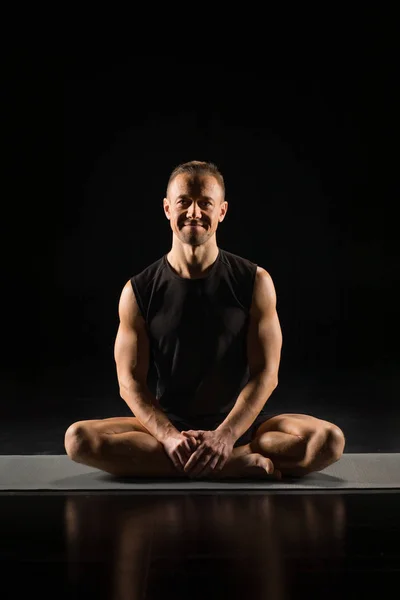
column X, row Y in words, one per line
column 207, row 319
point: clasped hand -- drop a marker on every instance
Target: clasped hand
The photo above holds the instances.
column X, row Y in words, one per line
column 213, row 450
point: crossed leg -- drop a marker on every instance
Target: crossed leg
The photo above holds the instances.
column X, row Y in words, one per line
column 122, row 446
column 298, row 444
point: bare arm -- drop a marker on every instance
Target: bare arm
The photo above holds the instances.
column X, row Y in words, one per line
column 131, row 353
column 264, row 344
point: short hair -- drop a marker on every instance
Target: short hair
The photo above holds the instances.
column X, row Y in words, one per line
column 198, row 167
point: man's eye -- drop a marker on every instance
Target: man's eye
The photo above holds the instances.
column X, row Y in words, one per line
column 185, row 201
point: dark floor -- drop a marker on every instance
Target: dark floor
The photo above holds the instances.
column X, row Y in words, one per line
column 248, row 545
column 215, row 546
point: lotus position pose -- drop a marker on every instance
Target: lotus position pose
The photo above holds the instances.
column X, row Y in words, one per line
column 207, row 319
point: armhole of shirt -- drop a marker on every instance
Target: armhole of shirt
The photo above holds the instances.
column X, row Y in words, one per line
column 138, row 298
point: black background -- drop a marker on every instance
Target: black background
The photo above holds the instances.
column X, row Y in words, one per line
column 310, row 162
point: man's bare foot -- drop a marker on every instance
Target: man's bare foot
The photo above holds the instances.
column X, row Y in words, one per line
column 252, row 466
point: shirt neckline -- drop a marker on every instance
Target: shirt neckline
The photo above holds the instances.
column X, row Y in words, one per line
column 176, row 276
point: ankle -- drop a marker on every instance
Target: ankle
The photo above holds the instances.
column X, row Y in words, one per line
column 234, row 465
column 241, row 451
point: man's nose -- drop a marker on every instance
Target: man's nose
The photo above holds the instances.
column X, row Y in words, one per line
column 194, row 211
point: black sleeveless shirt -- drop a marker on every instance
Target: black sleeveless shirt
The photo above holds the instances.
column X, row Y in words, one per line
column 197, row 330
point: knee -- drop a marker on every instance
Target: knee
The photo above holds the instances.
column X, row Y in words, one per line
column 78, row 441
column 335, row 442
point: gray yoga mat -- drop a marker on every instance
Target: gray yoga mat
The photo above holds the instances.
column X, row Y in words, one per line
column 59, row 472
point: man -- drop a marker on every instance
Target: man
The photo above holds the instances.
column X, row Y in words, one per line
column 208, row 320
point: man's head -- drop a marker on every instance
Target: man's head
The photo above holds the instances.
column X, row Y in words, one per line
column 195, row 195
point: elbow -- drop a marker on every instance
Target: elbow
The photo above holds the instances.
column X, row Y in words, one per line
column 127, row 387
column 132, row 386
column 268, row 379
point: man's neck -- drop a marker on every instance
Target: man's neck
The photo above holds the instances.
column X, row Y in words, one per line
column 192, row 269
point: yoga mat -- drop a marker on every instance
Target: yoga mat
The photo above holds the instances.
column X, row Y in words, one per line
column 59, row 472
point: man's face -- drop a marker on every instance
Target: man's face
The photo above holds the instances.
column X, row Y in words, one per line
column 194, row 207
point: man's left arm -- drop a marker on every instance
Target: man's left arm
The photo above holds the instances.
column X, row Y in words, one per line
column 264, row 343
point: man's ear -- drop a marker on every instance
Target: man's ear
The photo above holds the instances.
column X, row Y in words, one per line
column 226, row 210
column 166, row 207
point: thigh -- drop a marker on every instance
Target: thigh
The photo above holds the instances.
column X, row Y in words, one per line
column 293, row 423
column 112, row 425
column 249, row 435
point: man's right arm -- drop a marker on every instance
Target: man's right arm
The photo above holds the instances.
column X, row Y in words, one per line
column 131, row 353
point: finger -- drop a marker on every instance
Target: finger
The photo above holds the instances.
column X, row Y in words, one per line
column 219, row 463
column 193, row 460
column 179, row 462
column 211, row 466
column 200, row 465
column 194, row 432
column 191, row 433
column 195, row 442
column 201, row 469
column 189, row 447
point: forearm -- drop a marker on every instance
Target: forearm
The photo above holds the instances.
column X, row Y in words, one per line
column 248, row 405
column 147, row 410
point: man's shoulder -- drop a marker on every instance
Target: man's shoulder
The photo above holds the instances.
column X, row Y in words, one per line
column 235, row 259
column 148, row 270
column 261, row 276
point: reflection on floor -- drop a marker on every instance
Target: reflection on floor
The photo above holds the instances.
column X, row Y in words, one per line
column 214, row 546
